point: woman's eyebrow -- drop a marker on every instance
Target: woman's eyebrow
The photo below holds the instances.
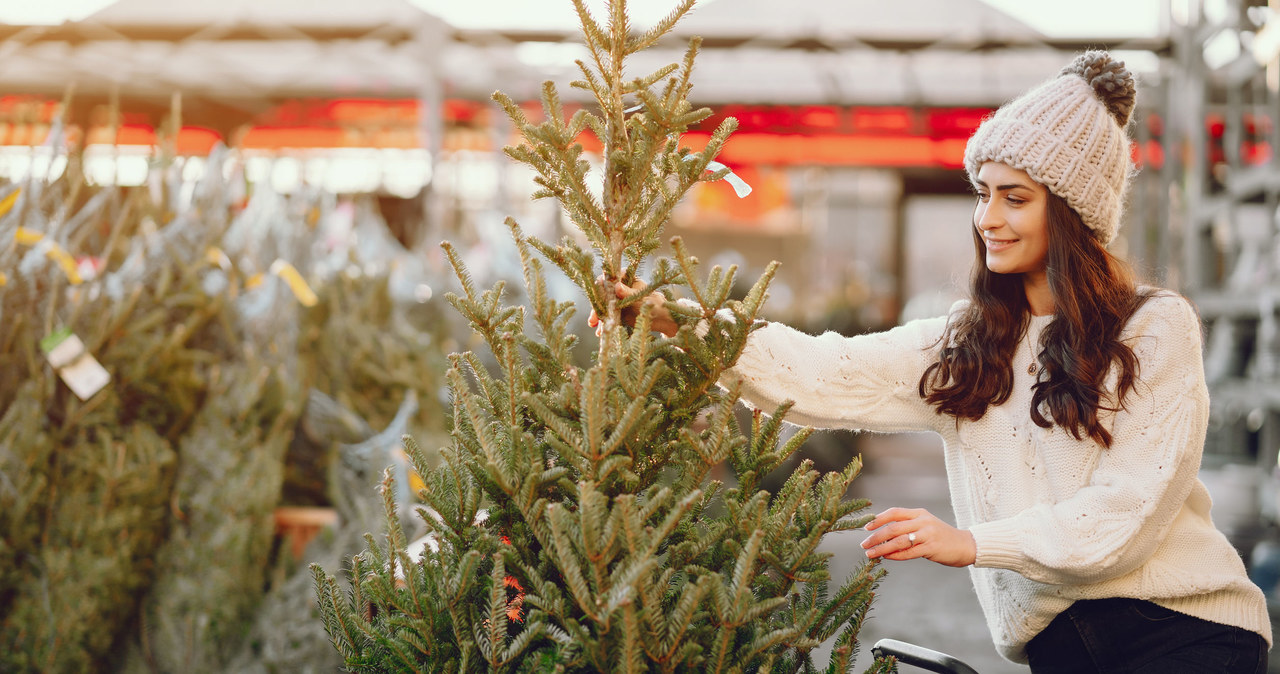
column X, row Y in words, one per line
column 1003, row 188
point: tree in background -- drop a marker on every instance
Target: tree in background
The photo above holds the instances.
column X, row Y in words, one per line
column 574, row 524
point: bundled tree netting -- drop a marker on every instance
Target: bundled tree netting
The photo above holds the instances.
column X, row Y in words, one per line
column 375, row 318
column 212, row 570
column 91, row 505
column 136, row 519
column 575, row 523
column 372, row 336
column 288, row 634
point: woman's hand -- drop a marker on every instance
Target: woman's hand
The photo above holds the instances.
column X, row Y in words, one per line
column 934, row 539
column 659, row 318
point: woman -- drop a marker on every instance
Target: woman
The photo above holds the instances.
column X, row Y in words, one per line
column 1072, row 407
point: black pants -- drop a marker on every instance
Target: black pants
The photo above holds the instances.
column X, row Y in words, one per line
column 1131, row 636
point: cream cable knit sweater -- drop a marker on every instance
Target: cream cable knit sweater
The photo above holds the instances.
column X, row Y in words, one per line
column 1055, row 519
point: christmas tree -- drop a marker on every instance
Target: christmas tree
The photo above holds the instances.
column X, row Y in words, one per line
column 574, row 524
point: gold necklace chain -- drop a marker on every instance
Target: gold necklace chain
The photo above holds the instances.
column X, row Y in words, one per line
column 1034, row 366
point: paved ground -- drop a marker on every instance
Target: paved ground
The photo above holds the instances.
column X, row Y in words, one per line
column 919, row 601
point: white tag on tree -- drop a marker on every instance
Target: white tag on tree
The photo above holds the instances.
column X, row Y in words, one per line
column 83, row 374
column 740, row 186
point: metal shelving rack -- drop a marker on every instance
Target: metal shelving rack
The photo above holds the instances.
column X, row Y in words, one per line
column 1219, row 241
column 1215, row 237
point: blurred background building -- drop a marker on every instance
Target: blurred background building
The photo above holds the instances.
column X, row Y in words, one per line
column 853, row 116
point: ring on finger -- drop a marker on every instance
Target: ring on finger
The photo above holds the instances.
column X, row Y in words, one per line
column 911, row 538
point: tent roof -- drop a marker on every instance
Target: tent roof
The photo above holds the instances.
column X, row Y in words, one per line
column 920, row 20
column 231, row 59
column 925, row 52
column 367, row 14
column 236, row 58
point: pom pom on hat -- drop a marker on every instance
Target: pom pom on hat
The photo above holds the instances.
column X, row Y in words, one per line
column 1112, row 83
column 1068, row 135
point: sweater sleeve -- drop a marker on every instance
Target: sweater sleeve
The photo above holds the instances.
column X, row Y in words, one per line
column 1114, row 523
column 867, row 382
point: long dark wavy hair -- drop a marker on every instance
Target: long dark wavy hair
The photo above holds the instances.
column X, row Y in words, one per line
column 1094, row 295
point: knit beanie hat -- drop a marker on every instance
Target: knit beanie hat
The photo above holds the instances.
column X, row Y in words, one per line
column 1068, row 135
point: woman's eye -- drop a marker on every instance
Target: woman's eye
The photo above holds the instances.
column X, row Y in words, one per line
column 983, row 197
column 1016, row 201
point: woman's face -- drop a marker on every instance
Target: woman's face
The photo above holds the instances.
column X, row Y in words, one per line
column 1010, row 216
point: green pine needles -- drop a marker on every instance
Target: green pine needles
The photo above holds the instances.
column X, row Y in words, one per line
column 575, row 525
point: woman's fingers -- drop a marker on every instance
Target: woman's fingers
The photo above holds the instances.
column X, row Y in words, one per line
column 894, row 531
column 620, row 290
column 660, row 318
column 892, row 538
column 624, row 291
column 895, row 515
column 913, row 533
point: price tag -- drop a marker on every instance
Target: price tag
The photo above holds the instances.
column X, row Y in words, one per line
column 83, row 374
column 6, row 205
column 740, row 186
column 66, row 262
column 215, row 256
column 27, row 237
column 30, row 237
column 290, row 275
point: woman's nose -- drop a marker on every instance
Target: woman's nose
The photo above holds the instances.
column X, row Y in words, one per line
column 985, row 217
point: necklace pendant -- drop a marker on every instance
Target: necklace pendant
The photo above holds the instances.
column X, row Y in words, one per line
column 1031, row 369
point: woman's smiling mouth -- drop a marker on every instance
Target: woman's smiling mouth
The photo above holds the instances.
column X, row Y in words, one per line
column 997, row 245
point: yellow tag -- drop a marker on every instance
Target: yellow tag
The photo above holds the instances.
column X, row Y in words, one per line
column 7, row 204
column 253, row 281
column 30, row 237
column 27, row 237
column 302, row 291
column 68, row 264
column 416, row 483
column 216, row 257
column 4, row 280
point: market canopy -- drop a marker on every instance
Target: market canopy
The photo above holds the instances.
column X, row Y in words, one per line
column 234, row 59
column 840, row 52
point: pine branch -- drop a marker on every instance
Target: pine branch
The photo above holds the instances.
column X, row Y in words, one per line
column 594, row 36
column 622, row 588
column 601, row 507
column 492, row 634
column 852, row 597
column 637, row 408
column 680, row 620
column 633, row 660
column 563, row 533
column 551, row 317
column 590, row 82
column 338, row 618
column 662, row 27
column 740, row 583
